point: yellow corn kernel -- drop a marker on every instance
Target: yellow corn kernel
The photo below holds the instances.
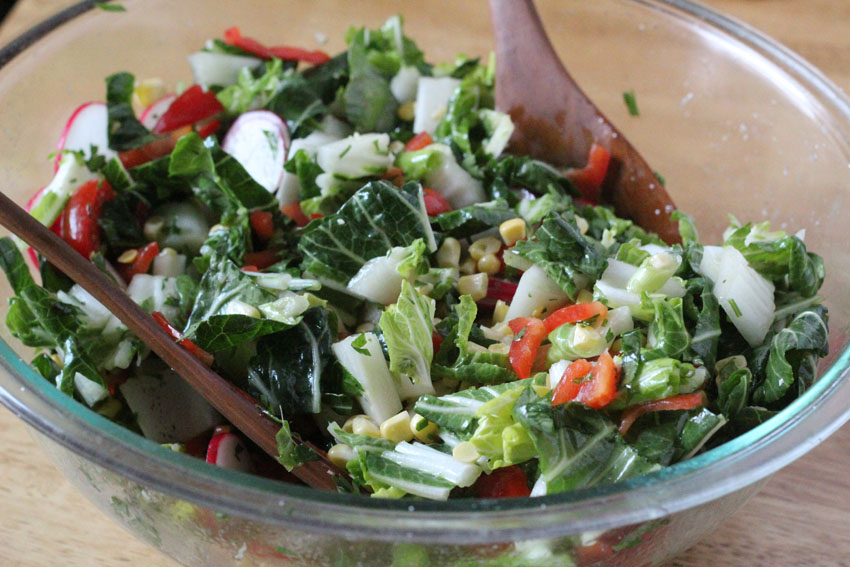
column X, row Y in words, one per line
column 512, row 231
column 617, row 345
column 153, row 227
column 363, row 425
column 423, row 430
column 584, row 296
column 340, row 454
column 397, row 428
column 490, row 265
column 110, row 408
column 582, row 224
column 474, row 286
column 149, row 91
column 484, row 246
column 349, row 423
column 468, row 266
column 466, row 452
column 396, row 146
column 500, row 311
column 448, row 256
column 406, row 111
column 55, row 357
column 168, row 252
column 540, row 390
column 127, row 256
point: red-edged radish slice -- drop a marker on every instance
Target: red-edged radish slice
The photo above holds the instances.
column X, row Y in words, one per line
column 227, row 451
column 86, row 128
column 259, row 140
column 150, row 116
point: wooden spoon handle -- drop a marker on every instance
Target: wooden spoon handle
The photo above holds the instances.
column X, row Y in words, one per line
column 556, row 122
column 238, row 407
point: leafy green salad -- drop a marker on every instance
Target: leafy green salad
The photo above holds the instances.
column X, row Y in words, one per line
column 349, row 240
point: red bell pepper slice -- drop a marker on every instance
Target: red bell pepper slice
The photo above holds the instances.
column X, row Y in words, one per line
column 263, row 224
column 194, row 105
column 574, row 314
column 208, row 128
column 156, row 149
column 293, row 211
column 680, row 402
column 262, row 259
column 588, row 180
column 78, row 226
column 419, row 141
column 505, row 482
column 529, row 333
column 199, row 353
column 233, row 36
column 142, row 263
column 593, row 385
column 435, row 203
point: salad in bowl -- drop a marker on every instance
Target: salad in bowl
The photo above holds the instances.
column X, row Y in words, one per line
column 349, row 239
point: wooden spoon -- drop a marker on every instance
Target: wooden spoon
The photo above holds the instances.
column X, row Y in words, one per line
column 557, row 123
column 238, row 407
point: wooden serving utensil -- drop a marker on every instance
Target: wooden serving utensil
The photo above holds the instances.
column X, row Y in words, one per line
column 557, row 123
column 237, row 406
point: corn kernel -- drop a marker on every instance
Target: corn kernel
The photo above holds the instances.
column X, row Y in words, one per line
column 340, row 454
column 467, row 266
column 582, row 225
column 57, row 358
column 110, row 408
column 474, row 286
column 239, row 307
column 216, row 228
column 500, row 311
column 448, row 256
column 466, row 452
column 168, row 251
column 349, row 423
column 512, row 231
column 490, row 265
column 363, row 425
column 406, row 111
column 127, row 256
column 423, row 430
column 540, row 390
column 484, row 246
column 396, row 146
column 153, row 227
column 149, row 91
column 584, row 296
column 366, row 327
column 617, row 345
column 397, row 428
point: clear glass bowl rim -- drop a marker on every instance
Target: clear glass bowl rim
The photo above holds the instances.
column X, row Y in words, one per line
column 716, row 473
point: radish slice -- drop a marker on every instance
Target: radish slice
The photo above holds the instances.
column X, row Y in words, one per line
column 86, row 128
column 227, row 451
column 151, row 114
column 259, row 140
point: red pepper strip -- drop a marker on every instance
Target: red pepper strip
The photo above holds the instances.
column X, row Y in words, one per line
column 208, row 128
column 501, row 289
column 574, row 314
column 250, row 268
column 263, row 224
column 142, row 262
column 680, row 402
column 419, row 141
column 293, row 211
column 588, row 180
column 287, row 53
column 506, row 482
column 436, row 340
column 531, row 333
column 79, row 226
column 262, row 259
column 189, row 345
column 570, row 383
column 156, row 149
column 194, row 105
column 234, row 37
column 435, row 203
column 595, row 386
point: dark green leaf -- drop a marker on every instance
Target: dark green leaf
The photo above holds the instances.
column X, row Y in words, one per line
column 125, row 132
column 465, row 222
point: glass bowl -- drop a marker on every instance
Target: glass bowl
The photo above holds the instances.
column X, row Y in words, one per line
column 734, row 122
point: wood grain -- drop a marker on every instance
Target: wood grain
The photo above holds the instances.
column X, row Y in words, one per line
column 802, row 517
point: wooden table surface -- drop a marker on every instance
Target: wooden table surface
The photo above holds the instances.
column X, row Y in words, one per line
column 802, row 518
